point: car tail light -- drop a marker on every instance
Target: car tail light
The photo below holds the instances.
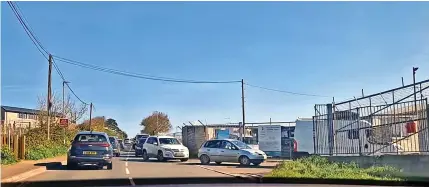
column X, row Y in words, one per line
column 104, row 145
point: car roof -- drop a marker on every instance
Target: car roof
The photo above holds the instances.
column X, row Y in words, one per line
column 163, row 136
column 91, row 132
column 223, row 139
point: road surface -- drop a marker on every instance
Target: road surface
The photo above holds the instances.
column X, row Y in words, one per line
column 127, row 166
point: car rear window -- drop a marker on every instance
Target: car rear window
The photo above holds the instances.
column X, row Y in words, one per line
column 90, row 138
column 142, row 140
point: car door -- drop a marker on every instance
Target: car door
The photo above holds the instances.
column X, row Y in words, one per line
column 228, row 152
column 148, row 146
column 211, row 149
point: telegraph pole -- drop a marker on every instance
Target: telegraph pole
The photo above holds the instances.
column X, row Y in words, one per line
column 48, row 101
column 90, row 116
column 242, row 108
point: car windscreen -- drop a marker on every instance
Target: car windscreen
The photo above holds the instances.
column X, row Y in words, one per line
column 241, row 144
column 169, row 141
column 90, row 138
column 141, row 141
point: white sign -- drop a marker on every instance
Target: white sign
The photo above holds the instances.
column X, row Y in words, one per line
column 270, row 137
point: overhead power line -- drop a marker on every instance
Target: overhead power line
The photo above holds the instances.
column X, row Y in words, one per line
column 29, row 31
column 136, row 75
column 287, row 92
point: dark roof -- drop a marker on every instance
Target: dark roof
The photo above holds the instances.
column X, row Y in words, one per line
column 92, row 132
column 22, row 110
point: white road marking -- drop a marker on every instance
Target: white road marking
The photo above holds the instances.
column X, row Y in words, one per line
column 127, row 171
column 131, row 181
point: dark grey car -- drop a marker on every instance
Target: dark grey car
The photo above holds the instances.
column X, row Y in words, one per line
column 115, row 144
column 90, row 148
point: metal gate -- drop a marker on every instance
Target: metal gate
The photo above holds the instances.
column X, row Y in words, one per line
column 390, row 122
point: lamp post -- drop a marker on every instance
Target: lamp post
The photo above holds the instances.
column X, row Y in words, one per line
column 414, row 85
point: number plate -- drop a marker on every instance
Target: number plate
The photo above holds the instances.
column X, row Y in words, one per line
column 89, row 153
column 179, row 154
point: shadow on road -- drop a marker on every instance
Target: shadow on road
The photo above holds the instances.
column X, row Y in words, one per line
column 59, row 166
column 232, row 165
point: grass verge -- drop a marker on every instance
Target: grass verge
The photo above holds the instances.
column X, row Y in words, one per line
column 320, row 168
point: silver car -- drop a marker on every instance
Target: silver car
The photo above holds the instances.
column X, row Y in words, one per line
column 230, row 150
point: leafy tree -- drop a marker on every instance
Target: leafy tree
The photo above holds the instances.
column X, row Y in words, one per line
column 111, row 123
column 156, row 123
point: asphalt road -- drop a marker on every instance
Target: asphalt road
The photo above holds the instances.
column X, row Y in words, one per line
column 127, row 166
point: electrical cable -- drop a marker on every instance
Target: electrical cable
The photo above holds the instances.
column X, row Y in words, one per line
column 136, row 75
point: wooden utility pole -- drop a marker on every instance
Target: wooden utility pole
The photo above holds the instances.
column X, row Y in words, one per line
column 242, row 107
column 90, row 116
column 48, row 101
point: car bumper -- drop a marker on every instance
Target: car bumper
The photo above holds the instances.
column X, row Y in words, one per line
column 177, row 155
column 258, row 157
column 90, row 160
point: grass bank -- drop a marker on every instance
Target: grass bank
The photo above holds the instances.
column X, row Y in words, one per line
column 320, row 168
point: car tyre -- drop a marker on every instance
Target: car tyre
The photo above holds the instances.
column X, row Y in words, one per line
column 244, row 160
column 71, row 165
column 160, row 156
column 184, row 159
column 218, row 163
column 204, row 159
column 256, row 163
column 145, row 156
column 110, row 166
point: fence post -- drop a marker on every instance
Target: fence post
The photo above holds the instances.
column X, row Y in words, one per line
column 22, row 148
column 330, row 129
column 16, row 146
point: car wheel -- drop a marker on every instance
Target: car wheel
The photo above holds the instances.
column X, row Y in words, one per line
column 110, row 166
column 145, row 156
column 204, row 159
column 218, row 163
column 160, row 156
column 184, row 159
column 244, row 160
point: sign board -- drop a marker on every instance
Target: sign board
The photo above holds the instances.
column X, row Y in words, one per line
column 64, row 122
column 270, row 138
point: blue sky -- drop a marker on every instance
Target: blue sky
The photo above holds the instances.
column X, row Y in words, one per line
column 333, row 49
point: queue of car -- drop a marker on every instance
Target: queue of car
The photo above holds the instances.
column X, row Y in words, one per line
column 98, row 149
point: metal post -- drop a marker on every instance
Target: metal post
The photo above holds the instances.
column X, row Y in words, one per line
column 414, row 85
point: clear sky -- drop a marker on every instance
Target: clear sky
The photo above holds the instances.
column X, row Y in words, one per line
column 332, row 49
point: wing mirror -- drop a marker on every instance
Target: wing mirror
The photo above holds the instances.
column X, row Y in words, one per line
column 155, row 143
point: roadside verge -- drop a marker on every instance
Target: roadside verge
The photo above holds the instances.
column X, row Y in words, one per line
column 28, row 168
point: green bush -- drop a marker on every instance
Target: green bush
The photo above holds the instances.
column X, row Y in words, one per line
column 320, row 167
column 7, row 156
column 46, row 151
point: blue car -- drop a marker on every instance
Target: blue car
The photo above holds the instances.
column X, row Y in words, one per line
column 139, row 147
column 90, row 148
